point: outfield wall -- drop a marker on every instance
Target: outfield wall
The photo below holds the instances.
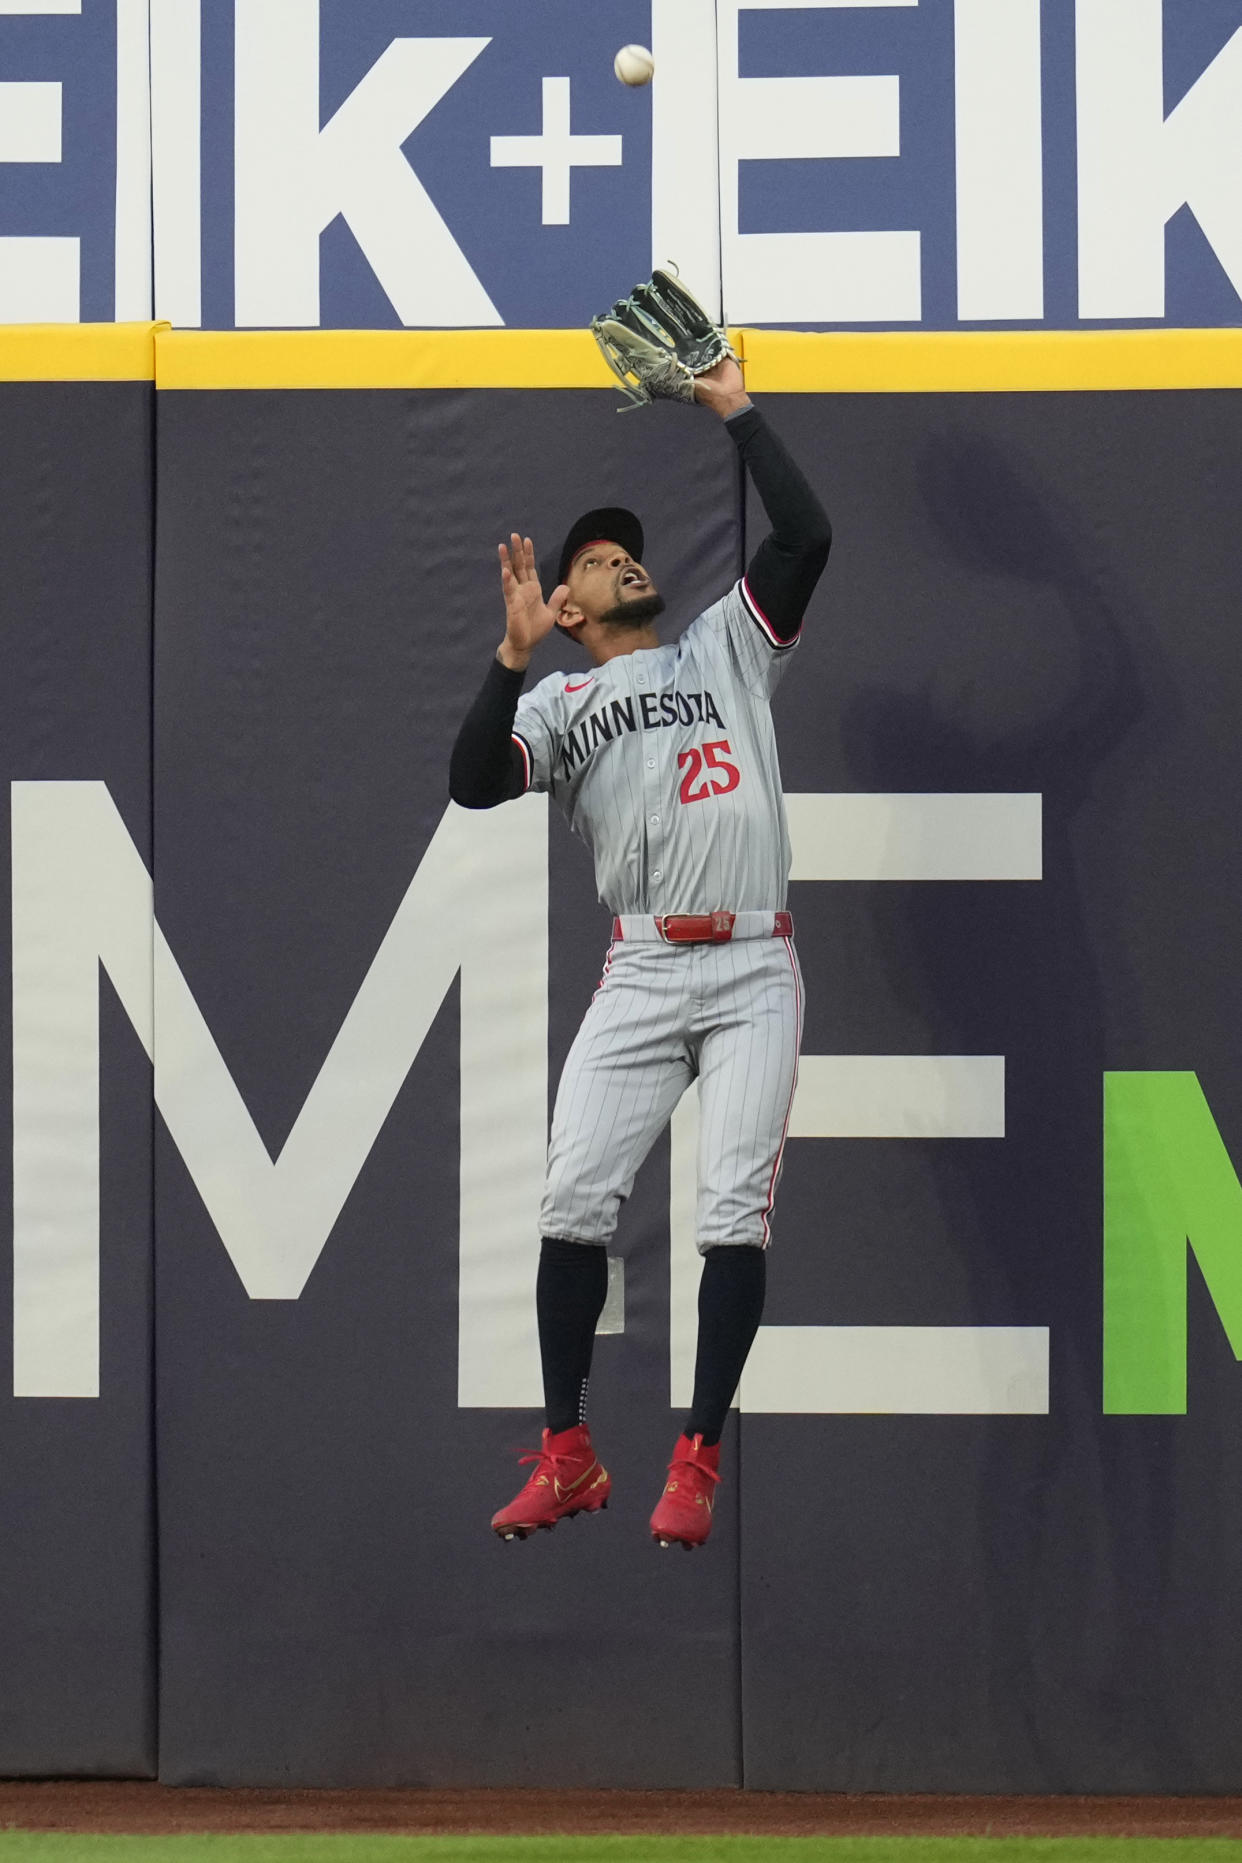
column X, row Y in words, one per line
column 978, row 1531
column 77, row 1558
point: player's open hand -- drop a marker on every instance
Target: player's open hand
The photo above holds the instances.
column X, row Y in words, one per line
column 528, row 618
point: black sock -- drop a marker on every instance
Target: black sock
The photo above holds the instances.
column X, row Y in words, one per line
column 569, row 1298
column 730, row 1306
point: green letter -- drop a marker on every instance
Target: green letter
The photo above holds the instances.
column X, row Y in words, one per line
column 1167, row 1181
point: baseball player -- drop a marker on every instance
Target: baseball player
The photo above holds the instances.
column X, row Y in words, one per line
column 663, row 759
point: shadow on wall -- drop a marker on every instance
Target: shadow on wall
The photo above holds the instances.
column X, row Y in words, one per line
column 1071, row 716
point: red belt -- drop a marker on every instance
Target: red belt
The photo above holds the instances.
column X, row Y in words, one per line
column 706, row 927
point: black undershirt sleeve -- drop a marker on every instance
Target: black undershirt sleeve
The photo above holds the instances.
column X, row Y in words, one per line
column 486, row 766
column 783, row 571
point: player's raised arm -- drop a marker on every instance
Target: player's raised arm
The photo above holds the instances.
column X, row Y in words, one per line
column 661, row 345
column 783, row 571
column 488, row 764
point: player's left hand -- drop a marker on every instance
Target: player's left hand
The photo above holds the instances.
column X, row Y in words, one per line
column 528, row 618
column 722, row 388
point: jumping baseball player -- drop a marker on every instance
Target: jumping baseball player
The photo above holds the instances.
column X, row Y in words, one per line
column 663, row 759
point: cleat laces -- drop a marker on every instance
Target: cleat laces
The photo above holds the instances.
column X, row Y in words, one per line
column 554, row 1470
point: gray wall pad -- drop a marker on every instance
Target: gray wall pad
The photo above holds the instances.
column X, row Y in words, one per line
column 335, row 1609
column 77, row 1647
column 1028, row 593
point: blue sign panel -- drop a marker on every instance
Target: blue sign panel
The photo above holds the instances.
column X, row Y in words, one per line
column 870, row 164
column 405, row 162
column 958, row 163
column 60, row 79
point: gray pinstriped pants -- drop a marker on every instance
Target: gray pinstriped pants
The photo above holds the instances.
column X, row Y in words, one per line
column 730, row 1014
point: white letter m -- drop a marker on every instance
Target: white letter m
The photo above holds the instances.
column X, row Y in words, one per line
column 82, row 896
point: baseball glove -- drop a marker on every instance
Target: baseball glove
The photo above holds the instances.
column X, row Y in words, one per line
column 658, row 339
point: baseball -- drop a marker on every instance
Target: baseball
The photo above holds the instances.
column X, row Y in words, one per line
column 634, row 65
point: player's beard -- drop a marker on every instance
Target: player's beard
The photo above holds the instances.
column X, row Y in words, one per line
column 640, row 611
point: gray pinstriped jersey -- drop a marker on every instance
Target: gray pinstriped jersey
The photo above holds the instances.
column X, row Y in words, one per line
column 664, row 761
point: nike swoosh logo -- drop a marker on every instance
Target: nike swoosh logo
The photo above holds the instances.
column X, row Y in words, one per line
column 582, row 687
column 562, row 1493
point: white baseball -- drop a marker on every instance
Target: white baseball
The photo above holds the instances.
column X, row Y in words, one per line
column 634, row 65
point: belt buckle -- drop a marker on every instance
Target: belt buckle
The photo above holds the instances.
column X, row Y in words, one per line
column 717, row 927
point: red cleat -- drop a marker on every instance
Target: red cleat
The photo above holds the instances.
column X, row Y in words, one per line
column 683, row 1514
column 568, row 1480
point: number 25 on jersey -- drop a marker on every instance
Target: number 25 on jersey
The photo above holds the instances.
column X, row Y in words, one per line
column 709, row 769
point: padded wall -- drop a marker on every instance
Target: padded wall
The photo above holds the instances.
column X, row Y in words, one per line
column 334, row 1608
column 77, row 1634
column 1031, row 596
column 1028, row 594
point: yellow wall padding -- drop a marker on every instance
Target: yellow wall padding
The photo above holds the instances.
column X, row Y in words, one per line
column 78, row 352
column 777, row 361
column 990, row 362
column 380, row 359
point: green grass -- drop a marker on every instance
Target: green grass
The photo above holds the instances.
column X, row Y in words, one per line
column 35, row 1847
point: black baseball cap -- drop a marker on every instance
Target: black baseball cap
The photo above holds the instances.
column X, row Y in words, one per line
column 607, row 524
